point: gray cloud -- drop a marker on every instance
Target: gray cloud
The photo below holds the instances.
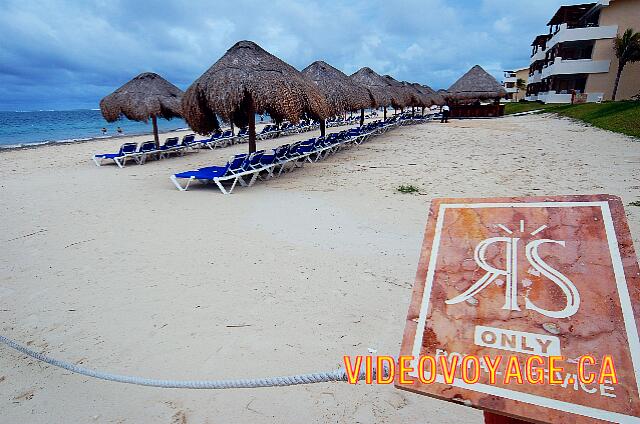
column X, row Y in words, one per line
column 69, row 54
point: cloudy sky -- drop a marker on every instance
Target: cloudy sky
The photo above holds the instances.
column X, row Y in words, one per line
column 69, row 54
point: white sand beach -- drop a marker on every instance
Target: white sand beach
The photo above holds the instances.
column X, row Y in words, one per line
column 117, row 270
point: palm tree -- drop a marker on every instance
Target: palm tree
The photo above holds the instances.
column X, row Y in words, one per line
column 521, row 85
column 627, row 50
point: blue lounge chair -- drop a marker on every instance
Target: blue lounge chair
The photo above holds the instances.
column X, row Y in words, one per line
column 171, row 145
column 253, row 161
column 146, row 150
column 220, row 139
column 269, row 131
column 234, row 169
column 246, row 169
column 243, row 133
column 286, row 128
column 268, row 162
column 127, row 150
column 189, row 142
column 281, row 152
column 214, row 136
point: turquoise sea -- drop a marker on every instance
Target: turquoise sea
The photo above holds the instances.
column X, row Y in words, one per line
column 47, row 126
column 50, row 126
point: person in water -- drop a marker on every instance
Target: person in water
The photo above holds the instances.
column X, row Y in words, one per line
column 104, row 130
column 119, row 130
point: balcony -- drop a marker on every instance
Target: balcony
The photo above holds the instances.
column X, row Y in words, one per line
column 576, row 34
column 536, row 77
column 510, row 79
column 579, row 66
column 511, row 90
column 540, row 54
column 582, row 34
column 553, row 97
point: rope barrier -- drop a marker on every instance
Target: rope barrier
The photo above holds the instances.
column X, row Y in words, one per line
column 244, row 383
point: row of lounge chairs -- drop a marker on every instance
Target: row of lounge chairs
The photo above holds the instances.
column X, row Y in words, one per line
column 337, row 121
column 146, row 150
column 245, row 169
column 409, row 119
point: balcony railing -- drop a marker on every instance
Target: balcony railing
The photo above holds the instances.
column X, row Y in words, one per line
column 536, row 77
column 580, row 66
column 582, row 34
column 554, row 97
column 565, row 34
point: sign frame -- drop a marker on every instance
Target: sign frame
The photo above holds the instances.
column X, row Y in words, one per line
column 514, row 403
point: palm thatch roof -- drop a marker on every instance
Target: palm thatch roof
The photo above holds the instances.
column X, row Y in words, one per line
column 247, row 78
column 379, row 89
column 341, row 92
column 400, row 95
column 436, row 96
column 146, row 96
column 419, row 96
column 476, row 84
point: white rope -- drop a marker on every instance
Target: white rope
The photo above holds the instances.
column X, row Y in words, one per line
column 291, row 380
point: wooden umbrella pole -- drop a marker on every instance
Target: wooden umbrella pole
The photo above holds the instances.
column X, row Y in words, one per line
column 362, row 117
column 251, row 115
column 385, row 113
column 322, row 127
column 154, row 121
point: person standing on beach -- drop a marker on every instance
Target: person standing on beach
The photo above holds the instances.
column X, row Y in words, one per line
column 445, row 114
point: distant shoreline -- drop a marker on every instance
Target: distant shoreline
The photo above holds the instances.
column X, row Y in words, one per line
column 36, row 145
column 34, row 129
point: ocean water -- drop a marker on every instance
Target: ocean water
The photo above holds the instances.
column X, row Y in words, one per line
column 37, row 127
column 48, row 126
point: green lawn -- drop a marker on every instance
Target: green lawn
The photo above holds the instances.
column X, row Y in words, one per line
column 518, row 107
column 622, row 117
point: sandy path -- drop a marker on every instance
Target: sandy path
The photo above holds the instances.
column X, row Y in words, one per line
column 117, row 270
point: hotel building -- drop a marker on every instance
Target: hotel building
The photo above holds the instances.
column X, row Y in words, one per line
column 575, row 61
column 510, row 83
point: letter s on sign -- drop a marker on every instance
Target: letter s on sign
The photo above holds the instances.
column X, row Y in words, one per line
column 567, row 287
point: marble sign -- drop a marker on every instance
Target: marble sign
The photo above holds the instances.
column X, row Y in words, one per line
column 555, row 279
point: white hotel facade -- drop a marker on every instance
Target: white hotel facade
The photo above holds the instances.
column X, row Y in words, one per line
column 575, row 60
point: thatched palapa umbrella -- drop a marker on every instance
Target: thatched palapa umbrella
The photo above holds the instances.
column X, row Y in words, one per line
column 476, row 84
column 443, row 93
column 400, row 97
column 379, row 89
column 145, row 97
column 249, row 80
column 342, row 93
column 422, row 97
column 436, row 96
